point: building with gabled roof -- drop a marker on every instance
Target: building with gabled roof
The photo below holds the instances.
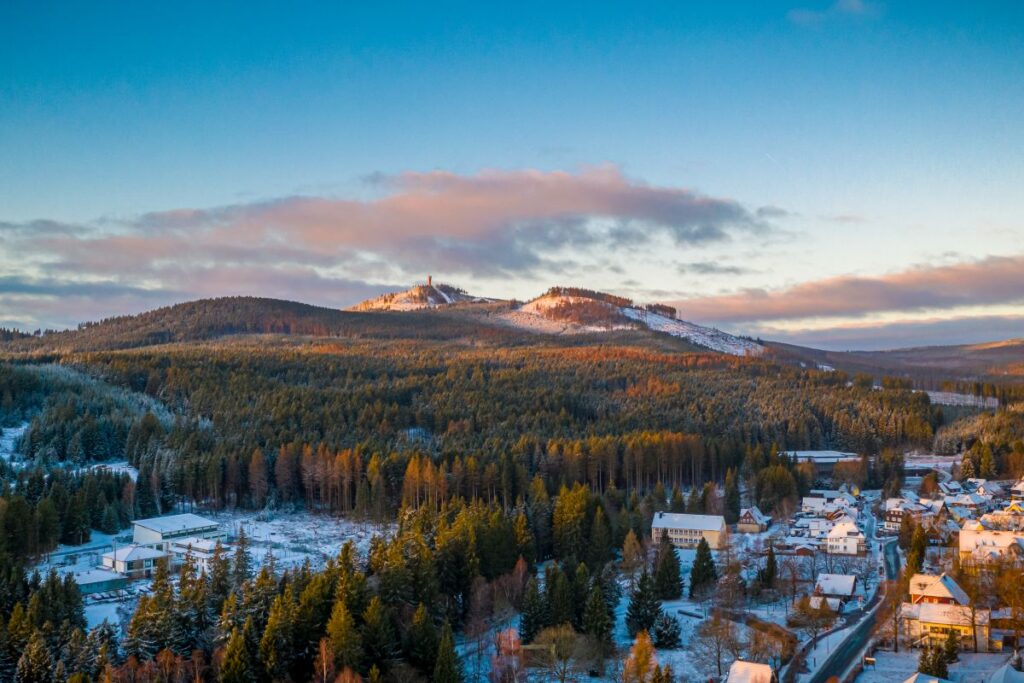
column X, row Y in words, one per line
column 750, row 672
column 846, row 539
column 930, row 623
column 938, row 589
column 158, row 532
column 133, row 561
column 752, row 520
column 840, row 586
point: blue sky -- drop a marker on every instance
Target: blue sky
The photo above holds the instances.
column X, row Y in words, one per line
column 844, row 146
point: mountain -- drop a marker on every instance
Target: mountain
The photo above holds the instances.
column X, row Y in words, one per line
column 418, row 297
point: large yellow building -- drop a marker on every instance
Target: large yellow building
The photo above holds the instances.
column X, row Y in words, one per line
column 685, row 531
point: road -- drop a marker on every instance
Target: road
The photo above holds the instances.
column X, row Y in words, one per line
column 847, row 651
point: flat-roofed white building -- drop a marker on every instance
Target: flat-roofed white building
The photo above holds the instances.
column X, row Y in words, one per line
column 199, row 549
column 134, row 561
column 159, row 532
column 685, row 531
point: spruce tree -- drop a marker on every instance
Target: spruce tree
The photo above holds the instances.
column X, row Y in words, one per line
column 600, row 546
column 559, row 598
column 703, row 572
column 241, row 569
column 666, row 632
column 668, row 579
column 766, row 576
column 421, row 648
column 447, row 669
column 236, row 666
column 597, row 623
column 277, row 647
column 643, row 607
column 534, row 619
column 346, row 643
column 732, row 498
column 951, row 648
column 35, row 664
column 378, row 634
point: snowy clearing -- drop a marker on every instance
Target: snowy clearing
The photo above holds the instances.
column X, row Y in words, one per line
column 972, row 668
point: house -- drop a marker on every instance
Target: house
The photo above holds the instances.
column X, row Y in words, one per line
column 926, row 678
column 930, row 623
column 685, row 531
column 1017, row 491
column 752, row 521
column 158, row 532
column 951, row 488
column 824, row 461
column 839, row 586
column 970, row 501
column 98, row 580
column 133, row 561
column 846, row 539
column 979, row 545
column 938, row 589
column 750, row 672
column 898, row 508
column 832, row 604
column 200, row 550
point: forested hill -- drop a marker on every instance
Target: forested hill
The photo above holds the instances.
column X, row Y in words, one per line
column 211, row 318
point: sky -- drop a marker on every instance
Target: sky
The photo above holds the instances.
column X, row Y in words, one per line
column 844, row 174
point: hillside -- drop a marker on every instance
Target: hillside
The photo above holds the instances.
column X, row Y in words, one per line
column 418, row 297
column 992, row 361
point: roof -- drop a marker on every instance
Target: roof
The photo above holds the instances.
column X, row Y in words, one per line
column 758, row 516
column 845, row 530
column 676, row 520
column 132, row 553
column 822, row 456
column 926, row 678
column 749, row 672
column 201, row 544
column 952, row 615
column 171, row 523
column 91, row 576
column 836, row 584
column 1006, row 674
column 941, row 586
column 833, row 603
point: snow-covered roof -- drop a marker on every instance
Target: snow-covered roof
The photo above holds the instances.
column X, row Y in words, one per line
column 676, row 520
column 833, row 603
column 1006, row 674
column 97, row 575
column 926, row 678
column 749, row 672
column 949, row 615
column 836, row 584
column 172, row 523
column 133, row 553
column 941, row 586
column 755, row 513
column 204, row 545
column 822, row 456
column 844, row 530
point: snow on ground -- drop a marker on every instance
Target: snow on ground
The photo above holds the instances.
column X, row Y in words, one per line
column 98, row 612
column 890, row 667
column 9, row 437
column 709, row 337
column 294, row 537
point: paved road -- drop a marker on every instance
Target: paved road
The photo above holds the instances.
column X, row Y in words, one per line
column 843, row 656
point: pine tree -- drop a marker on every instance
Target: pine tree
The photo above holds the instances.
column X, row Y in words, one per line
column 534, row 619
column 35, row 664
column 277, row 648
column 644, row 607
column 447, row 669
column 951, row 648
column 666, row 632
column 241, row 570
column 345, row 641
column 580, row 591
column 421, row 650
column 668, row 579
column 766, row 576
column 966, row 472
column 378, row 634
column 558, row 595
column 236, row 666
column 600, row 546
column 703, row 572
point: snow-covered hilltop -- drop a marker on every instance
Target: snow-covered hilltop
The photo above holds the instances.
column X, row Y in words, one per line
column 417, row 297
column 566, row 310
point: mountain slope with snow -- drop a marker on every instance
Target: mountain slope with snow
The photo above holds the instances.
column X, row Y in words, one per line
column 416, row 298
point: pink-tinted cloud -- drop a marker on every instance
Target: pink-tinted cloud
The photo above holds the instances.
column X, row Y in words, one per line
column 993, row 280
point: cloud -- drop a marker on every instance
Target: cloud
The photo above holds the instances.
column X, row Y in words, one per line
column 710, row 268
column 493, row 224
column 989, row 281
column 839, row 8
column 903, row 334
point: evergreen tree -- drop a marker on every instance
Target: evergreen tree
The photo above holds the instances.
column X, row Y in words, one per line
column 346, row 643
column 35, row 664
column 597, row 623
column 559, row 598
column 951, row 648
column 644, row 607
column 732, row 498
column 277, row 647
column 534, row 619
column 703, row 573
column 237, row 666
column 600, row 547
column 241, row 570
column 421, row 649
column 666, row 632
column 378, row 634
column 766, row 576
column 447, row 669
column 668, row 579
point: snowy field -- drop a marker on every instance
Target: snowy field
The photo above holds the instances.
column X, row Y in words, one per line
column 9, row 438
column 972, row 668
